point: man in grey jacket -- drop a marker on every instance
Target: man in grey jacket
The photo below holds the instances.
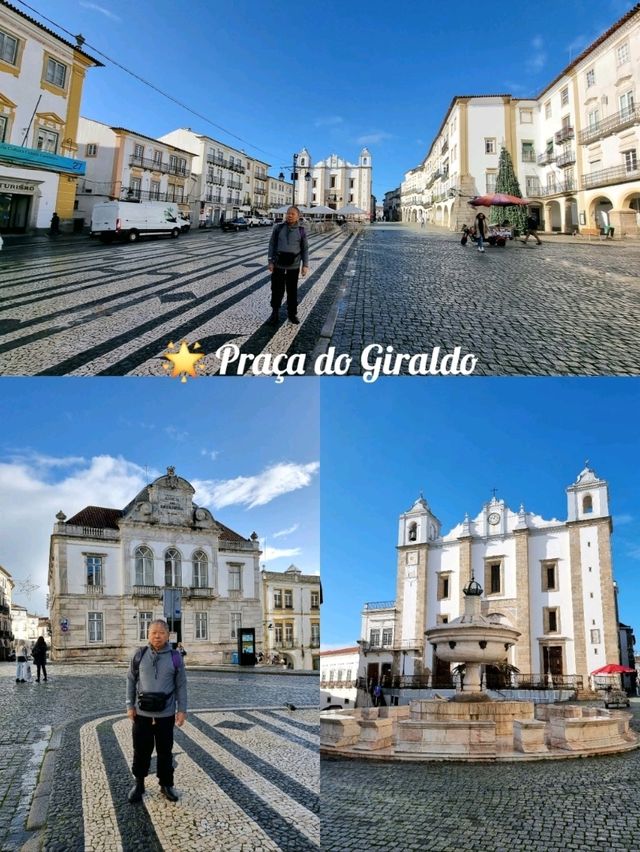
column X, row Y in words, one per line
column 156, row 700
column 288, row 247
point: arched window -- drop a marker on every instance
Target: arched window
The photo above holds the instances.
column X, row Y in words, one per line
column 587, row 504
column 200, row 569
column 413, row 531
column 172, row 568
column 144, row 566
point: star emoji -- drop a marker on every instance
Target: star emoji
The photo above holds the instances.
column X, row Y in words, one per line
column 184, row 362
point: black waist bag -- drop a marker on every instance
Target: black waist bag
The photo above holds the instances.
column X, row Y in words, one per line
column 152, row 702
column 286, row 258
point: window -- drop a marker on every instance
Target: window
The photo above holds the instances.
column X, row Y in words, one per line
column 493, row 577
column 236, row 624
column 528, row 153
column 551, row 619
column 95, row 624
column 90, row 150
column 443, row 587
column 157, row 157
column 351, row 182
column 350, row 196
column 94, row 570
column 235, row 578
column 593, row 117
column 47, row 140
column 8, row 48
column 339, row 676
column 490, row 181
column 277, row 598
column 201, row 625
column 630, row 160
column 200, row 569
column 333, row 181
column 626, row 103
column 547, row 109
column 591, row 78
column 489, row 146
column 413, row 531
column 315, row 634
column 56, row 73
column 144, row 620
column 526, row 116
column 144, row 566
column 442, row 619
column 155, row 190
column 135, row 186
column 138, row 151
column 533, row 185
column 595, row 637
column 587, row 504
column 348, row 677
column 172, row 568
column 387, row 635
column 564, row 96
column 3, row 127
column 315, row 600
column 550, row 576
column 288, row 599
column 622, row 53
column 288, row 633
column 277, row 633
column 374, row 638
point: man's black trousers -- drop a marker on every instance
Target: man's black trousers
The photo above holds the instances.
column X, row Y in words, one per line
column 281, row 280
column 146, row 733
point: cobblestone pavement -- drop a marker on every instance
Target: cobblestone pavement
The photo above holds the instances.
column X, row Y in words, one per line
column 78, row 307
column 584, row 804
column 565, row 307
column 247, row 768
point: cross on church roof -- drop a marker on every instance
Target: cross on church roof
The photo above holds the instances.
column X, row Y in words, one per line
column 493, row 491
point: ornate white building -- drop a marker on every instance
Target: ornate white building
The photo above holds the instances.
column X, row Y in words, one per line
column 112, row 571
column 551, row 579
column 6, row 632
column 334, row 182
column 291, row 602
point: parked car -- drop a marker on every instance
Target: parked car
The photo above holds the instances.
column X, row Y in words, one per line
column 130, row 220
column 253, row 220
column 266, row 221
column 237, row 224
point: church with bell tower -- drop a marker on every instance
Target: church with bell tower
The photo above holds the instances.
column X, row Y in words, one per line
column 551, row 579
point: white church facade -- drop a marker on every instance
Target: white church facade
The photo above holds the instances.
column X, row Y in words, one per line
column 551, row 579
column 112, row 571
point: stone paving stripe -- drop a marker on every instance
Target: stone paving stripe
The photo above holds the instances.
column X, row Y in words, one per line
column 134, row 822
column 276, row 730
column 269, row 818
column 292, row 788
column 206, row 817
column 100, row 824
column 289, row 717
column 65, row 833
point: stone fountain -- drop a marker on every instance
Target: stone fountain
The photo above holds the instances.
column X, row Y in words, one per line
column 472, row 726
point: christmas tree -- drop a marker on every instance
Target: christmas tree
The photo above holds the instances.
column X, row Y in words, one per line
column 507, row 182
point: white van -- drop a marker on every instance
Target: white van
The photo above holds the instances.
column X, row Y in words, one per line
column 130, row 220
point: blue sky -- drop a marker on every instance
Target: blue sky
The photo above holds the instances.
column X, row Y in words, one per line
column 324, row 74
column 249, row 447
column 455, row 440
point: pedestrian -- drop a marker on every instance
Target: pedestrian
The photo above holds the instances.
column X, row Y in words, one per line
column 465, row 235
column 482, row 230
column 288, row 248
column 54, row 227
column 377, row 695
column 156, row 701
column 39, row 655
column 531, row 231
column 180, row 649
column 21, row 662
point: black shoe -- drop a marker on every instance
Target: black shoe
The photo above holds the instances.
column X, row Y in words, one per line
column 294, row 320
column 37, row 680
column 136, row 792
column 169, row 793
column 273, row 319
column 17, row 680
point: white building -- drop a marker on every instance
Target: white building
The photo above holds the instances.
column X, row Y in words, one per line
column 338, row 676
column 24, row 625
column 279, row 193
column 229, row 183
column 129, row 166
column 574, row 147
column 291, row 602
column 6, row 632
column 334, row 182
column 41, row 79
column 551, row 579
column 112, row 571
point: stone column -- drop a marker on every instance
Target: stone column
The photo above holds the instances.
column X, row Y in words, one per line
column 465, row 568
column 523, row 647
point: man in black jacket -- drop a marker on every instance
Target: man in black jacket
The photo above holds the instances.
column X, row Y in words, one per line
column 288, row 247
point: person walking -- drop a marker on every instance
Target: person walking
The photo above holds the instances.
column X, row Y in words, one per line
column 156, row 701
column 21, row 662
column 180, row 649
column 54, row 227
column 288, row 248
column 531, row 231
column 39, row 655
column 482, row 230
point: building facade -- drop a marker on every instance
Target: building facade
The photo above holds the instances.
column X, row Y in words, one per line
column 334, row 182
column 574, row 147
column 112, row 571
column 550, row 579
column 6, row 628
column 129, row 166
column 26, row 626
column 41, row 80
column 338, row 676
column 279, row 193
column 291, row 602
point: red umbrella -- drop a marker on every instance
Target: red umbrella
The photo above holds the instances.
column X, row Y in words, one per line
column 498, row 199
column 613, row 668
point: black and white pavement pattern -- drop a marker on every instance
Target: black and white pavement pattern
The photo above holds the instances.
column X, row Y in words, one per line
column 246, row 767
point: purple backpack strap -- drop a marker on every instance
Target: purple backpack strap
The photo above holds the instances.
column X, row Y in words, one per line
column 177, row 659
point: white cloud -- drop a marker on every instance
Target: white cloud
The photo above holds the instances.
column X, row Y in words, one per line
column 106, row 12
column 256, row 490
column 288, row 531
column 374, row 138
column 210, row 454
column 271, row 553
column 328, row 121
column 178, row 435
column 619, row 520
column 538, row 57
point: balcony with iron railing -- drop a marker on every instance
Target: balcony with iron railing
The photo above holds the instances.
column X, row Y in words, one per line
column 261, row 176
column 445, row 147
column 546, row 158
column 234, row 184
column 146, row 591
column 559, row 188
column 237, row 167
column 567, row 158
column 433, row 178
column 149, row 165
column 625, row 118
column 259, row 190
column 217, row 161
column 285, row 644
column 564, row 134
column 128, row 193
column 528, row 156
column 606, row 177
column 94, row 589
column 218, row 180
column 201, row 592
column 314, row 643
